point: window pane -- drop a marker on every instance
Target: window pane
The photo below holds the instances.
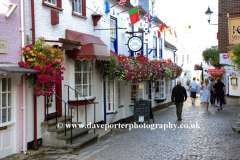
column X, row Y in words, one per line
column 9, row 114
column 4, row 100
column 141, row 93
column 9, row 99
column 78, row 78
column 90, row 78
column 0, row 101
column 90, row 65
column 85, row 65
column 157, row 89
column 80, row 9
column 90, row 90
column 85, row 78
column 85, row 90
column 79, row 90
column 75, row 6
column 77, row 65
column 9, row 84
column 134, row 87
column 54, row 1
column 4, row 115
column 109, row 106
column 4, row 84
column 0, row 116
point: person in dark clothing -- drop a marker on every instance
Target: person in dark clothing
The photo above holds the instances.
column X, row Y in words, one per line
column 179, row 95
column 219, row 92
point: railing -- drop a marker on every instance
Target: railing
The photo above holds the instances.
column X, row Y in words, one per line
column 85, row 106
column 65, row 114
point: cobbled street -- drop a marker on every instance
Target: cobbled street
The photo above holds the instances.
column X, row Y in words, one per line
column 213, row 140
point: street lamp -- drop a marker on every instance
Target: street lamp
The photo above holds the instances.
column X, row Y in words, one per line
column 208, row 13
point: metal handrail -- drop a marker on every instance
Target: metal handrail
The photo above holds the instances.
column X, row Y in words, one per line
column 80, row 94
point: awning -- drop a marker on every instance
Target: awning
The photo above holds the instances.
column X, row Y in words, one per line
column 214, row 71
column 65, row 44
column 14, row 69
column 92, row 47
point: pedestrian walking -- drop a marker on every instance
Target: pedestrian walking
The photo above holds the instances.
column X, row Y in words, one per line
column 201, row 91
column 179, row 95
column 219, row 92
column 206, row 95
column 212, row 96
column 193, row 90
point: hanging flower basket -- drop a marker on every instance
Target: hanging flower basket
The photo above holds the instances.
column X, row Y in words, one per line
column 211, row 57
column 198, row 67
column 129, row 69
column 171, row 70
column 48, row 62
column 234, row 56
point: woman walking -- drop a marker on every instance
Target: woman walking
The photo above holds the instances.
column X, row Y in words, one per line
column 212, row 97
column 219, row 92
column 206, row 95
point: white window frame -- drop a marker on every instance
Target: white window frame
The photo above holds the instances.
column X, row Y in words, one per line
column 77, row 3
column 154, row 46
column 7, row 107
column 113, row 33
column 51, row 2
column 120, row 93
column 88, row 84
column 160, row 88
column 139, row 93
column 110, row 96
column 160, row 47
column 183, row 59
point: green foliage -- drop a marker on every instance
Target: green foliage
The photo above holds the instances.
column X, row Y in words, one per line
column 234, row 56
column 211, row 57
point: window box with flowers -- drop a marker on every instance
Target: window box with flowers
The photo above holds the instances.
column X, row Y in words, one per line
column 48, row 62
column 198, row 67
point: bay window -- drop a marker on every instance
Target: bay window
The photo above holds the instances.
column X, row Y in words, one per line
column 5, row 100
column 137, row 92
column 84, row 77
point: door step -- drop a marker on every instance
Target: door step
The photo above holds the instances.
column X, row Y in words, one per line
column 51, row 116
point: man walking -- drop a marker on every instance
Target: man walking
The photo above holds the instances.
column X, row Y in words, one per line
column 179, row 95
column 193, row 90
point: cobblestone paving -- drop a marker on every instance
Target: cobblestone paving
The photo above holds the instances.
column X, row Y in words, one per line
column 213, row 140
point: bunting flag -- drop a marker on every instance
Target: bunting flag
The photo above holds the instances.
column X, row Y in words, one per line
column 170, row 31
column 166, row 29
column 161, row 27
column 175, row 33
column 133, row 13
column 159, row 34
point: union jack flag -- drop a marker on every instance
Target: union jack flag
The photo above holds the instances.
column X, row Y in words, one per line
column 122, row 2
column 148, row 18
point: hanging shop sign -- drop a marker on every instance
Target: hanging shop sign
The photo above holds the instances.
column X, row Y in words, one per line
column 135, row 44
column 234, row 30
column 224, row 59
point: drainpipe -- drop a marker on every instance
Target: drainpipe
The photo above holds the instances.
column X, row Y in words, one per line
column 174, row 52
column 104, row 102
column 35, row 98
column 24, row 117
column 24, row 91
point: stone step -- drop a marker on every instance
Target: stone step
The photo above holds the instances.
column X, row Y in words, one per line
column 81, row 141
column 236, row 128
column 53, row 121
column 54, row 129
column 75, row 133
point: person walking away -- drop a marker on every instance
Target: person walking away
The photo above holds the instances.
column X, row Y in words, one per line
column 193, row 90
column 212, row 96
column 206, row 95
column 179, row 95
column 219, row 92
column 201, row 91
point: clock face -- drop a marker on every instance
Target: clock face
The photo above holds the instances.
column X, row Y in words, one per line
column 135, row 44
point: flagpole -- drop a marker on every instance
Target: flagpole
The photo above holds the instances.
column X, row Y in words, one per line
column 114, row 5
column 126, row 10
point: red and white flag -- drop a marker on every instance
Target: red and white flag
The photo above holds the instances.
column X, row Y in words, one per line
column 122, row 2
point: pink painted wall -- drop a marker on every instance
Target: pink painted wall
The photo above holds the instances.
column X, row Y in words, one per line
column 9, row 29
column 20, row 114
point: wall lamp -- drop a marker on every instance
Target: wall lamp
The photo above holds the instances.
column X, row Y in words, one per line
column 208, row 13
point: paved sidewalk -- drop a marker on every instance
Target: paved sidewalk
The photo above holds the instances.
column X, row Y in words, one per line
column 213, row 140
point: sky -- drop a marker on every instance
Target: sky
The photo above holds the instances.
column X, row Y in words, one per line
column 181, row 13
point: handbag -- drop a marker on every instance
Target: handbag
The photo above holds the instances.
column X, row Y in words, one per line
column 224, row 101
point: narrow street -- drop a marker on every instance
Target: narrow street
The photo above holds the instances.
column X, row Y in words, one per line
column 213, row 140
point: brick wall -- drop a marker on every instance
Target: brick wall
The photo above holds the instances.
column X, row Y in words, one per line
column 231, row 7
